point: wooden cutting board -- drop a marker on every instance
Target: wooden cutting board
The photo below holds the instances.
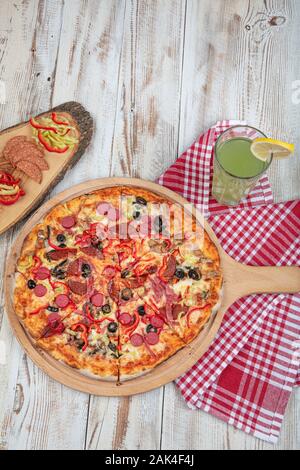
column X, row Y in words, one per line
column 58, row 163
column 239, row 280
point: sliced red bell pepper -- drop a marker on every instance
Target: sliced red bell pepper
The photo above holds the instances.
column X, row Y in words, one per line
column 55, row 247
column 49, row 147
column 124, row 253
column 153, row 307
column 84, row 333
column 131, row 328
column 84, row 239
column 168, row 243
column 65, row 133
column 10, row 200
column 38, row 264
column 147, row 318
column 193, row 309
column 57, row 121
column 152, row 353
column 7, row 178
column 162, row 270
column 57, row 284
column 37, row 125
column 38, row 310
column 89, row 314
column 11, row 185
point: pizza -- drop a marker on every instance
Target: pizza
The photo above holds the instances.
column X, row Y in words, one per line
column 116, row 281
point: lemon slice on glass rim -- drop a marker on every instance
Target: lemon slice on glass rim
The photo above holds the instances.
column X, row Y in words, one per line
column 263, row 148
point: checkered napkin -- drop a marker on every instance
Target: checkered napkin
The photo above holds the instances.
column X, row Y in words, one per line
column 247, row 375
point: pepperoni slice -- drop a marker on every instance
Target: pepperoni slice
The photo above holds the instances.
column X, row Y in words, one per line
column 62, row 300
column 40, row 290
column 157, row 322
column 42, row 273
column 103, row 208
column 68, row 221
column 109, row 272
column 136, row 339
column 125, row 319
column 78, row 288
column 152, row 338
column 97, row 300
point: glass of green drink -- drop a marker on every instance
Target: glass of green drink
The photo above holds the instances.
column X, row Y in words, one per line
column 236, row 169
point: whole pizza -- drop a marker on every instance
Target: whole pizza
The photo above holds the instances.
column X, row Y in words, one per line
column 116, row 281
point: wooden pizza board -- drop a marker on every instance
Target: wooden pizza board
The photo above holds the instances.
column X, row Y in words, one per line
column 58, row 163
column 239, row 280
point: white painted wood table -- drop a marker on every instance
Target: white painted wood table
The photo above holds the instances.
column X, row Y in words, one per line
column 154, row 74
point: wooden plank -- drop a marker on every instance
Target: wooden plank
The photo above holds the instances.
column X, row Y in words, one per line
column 32, row 41
column 145, row 142
column 240, row 60
column 88, row 71
column 34, row 414
column 146, row 131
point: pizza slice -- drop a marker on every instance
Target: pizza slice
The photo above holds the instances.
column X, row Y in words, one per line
column 188, row 286
column 145, row 339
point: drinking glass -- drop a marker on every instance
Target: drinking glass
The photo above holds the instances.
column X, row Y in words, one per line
column 236, row 169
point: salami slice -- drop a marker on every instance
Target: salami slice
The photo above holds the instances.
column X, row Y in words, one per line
column 125, row 319
column 79, row 288
column 31, row 170
column 109, row 272
column 90, row 250
column 56, row 255
column 74, row 268
column 54, row 317
column 152, row 338
column 157, row 322
column 40, row 290
column 41, row 163
column 68, row 221
column 12, row 147
column 54, row 328
column 62, row 300
column 136, row 340
column 170, row 267
column 29, row 151
column 136, row 282
column 42, row 273
column 97, row 299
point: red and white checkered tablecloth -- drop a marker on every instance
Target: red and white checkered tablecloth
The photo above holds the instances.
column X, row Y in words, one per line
column 247, row 375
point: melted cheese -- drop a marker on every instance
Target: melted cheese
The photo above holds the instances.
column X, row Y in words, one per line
column 195, row 287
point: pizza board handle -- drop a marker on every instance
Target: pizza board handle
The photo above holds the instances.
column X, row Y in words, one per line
column 242, row 280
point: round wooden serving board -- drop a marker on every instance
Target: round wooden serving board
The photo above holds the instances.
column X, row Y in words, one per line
column 239, row 280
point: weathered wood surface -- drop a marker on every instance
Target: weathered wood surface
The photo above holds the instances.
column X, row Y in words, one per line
column 154, row 74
